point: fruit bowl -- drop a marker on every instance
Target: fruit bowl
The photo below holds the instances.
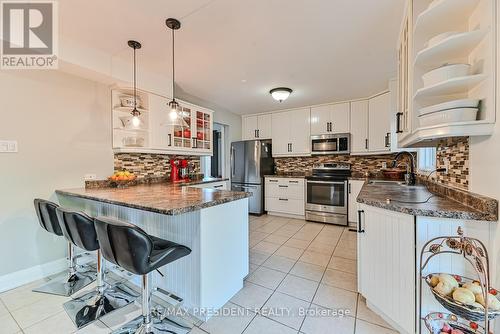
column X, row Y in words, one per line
column 435, row 322
column 468, row 312
column 122, row 179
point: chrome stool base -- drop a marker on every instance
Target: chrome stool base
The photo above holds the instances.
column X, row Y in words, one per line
column 91, row 306
column 156, row 326
column 67, row 285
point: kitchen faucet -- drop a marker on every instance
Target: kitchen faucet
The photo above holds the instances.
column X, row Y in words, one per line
column 410, row 175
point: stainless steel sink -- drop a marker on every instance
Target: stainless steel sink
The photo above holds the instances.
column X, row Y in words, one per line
column 387, row 182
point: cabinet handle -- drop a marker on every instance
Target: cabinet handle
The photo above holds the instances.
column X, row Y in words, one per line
column 282, row 186
column 359, row 221
column 398, row 122
column 258, row 133
column 169, row 139
column 366, row 143
column 327, row 127
column 283, row 199
column 195, row 142
column 349, row 187
column 297, row 182
column 273, row 180
column 388, row 140
column 331, row 126
column 219, row 186
column 255, row 133
column 291, row 147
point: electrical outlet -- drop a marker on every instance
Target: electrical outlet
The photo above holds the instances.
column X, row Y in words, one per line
column 447, row 167
column 89, row 177
column 8, row 146
column 384, row 165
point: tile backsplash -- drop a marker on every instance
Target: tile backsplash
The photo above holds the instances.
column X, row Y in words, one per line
column 150, row 165
column 454, row 153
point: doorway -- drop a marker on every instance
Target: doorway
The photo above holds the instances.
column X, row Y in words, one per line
column 215, row 165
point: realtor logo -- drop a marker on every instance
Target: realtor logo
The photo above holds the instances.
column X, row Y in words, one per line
column 29, row 35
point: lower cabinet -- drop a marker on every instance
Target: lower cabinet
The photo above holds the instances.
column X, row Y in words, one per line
column 222, row 185
column 354, row 190
column 387, row 265
column 285, row 195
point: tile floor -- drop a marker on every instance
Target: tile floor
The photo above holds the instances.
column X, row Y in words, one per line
column 294, row 267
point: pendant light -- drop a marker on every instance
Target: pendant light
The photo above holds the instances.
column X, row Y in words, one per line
column 173, row 24
column 135, row 113
column 281, row 93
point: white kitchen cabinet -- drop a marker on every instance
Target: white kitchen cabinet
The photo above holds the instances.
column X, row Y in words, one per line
column 221, row 185
column 257, row 127
column 330, row 119
column 379, row 123
column 354, row 190
column 386, row 265
column 359, row 127
column 285, row 196
column 290, row 133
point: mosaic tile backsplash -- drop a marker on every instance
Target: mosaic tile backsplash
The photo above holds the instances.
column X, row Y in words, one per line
column 360, row 165
column 454, row 152
column 150, row 165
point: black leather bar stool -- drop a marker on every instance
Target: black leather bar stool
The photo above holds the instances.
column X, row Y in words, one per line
column 129, row 247
column 78, row 228
column 73, row 281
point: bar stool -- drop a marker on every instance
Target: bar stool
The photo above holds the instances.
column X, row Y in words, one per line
column 73, row 281
column 78, row 228
column 129, row 247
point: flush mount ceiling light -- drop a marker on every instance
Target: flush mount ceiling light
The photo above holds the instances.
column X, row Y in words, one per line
column 174, row 25
column 135, row 113
column 281, row 93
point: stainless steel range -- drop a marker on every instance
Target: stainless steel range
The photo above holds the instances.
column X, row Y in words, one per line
column 326, row 192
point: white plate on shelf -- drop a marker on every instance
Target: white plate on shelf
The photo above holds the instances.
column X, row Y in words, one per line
column 448, row 116
column 446, row 72
column 441, row 37
column 455, row 104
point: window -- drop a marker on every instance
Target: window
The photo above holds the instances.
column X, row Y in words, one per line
column 426, row 159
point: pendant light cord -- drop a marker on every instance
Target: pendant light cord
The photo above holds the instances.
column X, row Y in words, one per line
column 135, row 85
column 173, row 65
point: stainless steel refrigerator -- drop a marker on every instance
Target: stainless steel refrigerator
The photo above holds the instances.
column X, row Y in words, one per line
column 250, row 161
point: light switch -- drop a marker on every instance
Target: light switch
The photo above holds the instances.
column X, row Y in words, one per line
column 8, row 146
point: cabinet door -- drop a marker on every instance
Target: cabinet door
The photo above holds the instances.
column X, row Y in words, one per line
column 300, row 138
column 359, row 127
column 264, row 126
column 161, row 132
column 320, row 119
column 339, row 117
column 379, row 123
column 250, row 126
column 354, row 189
column 281, row 133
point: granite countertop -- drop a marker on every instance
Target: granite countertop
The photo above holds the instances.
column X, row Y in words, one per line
column 163, row 198
column 403, row 199
column 289, row 175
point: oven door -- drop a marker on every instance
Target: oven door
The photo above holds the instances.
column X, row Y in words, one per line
column 327, row 196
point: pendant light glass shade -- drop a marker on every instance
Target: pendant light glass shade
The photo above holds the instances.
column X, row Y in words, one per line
column 280, row 94
column 136, row 121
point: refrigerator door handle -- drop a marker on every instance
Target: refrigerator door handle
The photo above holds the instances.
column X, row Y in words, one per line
column 232, row 161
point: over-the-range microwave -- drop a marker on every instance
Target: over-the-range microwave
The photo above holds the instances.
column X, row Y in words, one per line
column 331, row 144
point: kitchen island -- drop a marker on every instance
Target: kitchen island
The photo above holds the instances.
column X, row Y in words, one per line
column 213, row 223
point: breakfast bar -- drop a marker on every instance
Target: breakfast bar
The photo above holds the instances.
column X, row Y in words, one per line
column 212, row 223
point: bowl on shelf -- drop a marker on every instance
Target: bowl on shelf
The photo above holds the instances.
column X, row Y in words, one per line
column 444, row 73
column 465, row 311
column 128, row 101
column 133, row 141
column 455, row 104
column 436, row 322
column 448, row 116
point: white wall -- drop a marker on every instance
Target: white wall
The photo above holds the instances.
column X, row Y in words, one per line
column 62, row 124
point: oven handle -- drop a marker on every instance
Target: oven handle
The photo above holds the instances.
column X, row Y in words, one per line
column 327, row 182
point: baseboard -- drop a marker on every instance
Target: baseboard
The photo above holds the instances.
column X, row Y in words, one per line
column 28, row 275
column 285, row 215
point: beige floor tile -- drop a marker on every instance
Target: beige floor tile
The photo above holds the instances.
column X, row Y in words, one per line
column 276, row 239
column 257, row 236
column 270, row 227
column 297, row 243
column 319, row 247
column 20, row 297
column 318, row 259
column 260, row 325
column 298, row 287
column 304, row 236
column 342, row 264
column 327, row 324
column 308, row 270
column 252, row 267
column 363, row 327
column 280, row 263
column 346, row 253
column 122, row 316
column 289, row 252
column 8, row 325
column 266, row 277
column 266, row 247
column 291, row 227
column 41, row 310
column 346, row 243
column 340, row 279
column 231, row 323
column 292, row 309
column 197, row 330
column 284, row 233
column 335, row 298
column 258, row 258
column 97, row 327
column 252, row 296
column 3, row 309
column 57, row 324
column 364, row 313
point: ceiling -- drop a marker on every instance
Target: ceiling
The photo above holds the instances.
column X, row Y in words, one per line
column 232, row 52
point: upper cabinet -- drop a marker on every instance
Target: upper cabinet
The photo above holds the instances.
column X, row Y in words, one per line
column 359, row 127
column 330, row 119
column 190, row 133
column 290, row 133
column 447, row 70
column 257, row 127
column 379, row 123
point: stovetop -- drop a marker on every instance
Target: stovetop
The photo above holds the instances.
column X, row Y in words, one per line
column 330, row 171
